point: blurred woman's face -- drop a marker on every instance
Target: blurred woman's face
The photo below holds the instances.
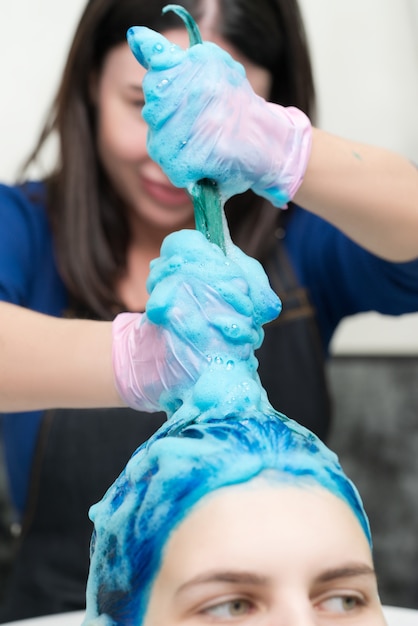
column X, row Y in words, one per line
column 270, row 555
column 122, row 132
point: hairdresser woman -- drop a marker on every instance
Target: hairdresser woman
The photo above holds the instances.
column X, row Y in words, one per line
column 75, row 250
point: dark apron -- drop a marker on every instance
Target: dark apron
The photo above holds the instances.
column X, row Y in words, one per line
column 81, row 452
column 291, row 358
column 79, row 455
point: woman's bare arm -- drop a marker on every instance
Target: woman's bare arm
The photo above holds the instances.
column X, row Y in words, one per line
column 369, row 193
column 50, row 362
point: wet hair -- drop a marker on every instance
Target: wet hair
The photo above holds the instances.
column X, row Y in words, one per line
column 170, row 474
column 89, row 220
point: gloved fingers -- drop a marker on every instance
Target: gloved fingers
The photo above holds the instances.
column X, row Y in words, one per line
column 238, row 287
column 189, row 252
column 200, row 135
column 235, row 292
column 209, row 332
column 192, row 88
column 155, row 52
column 235, row 329
column 152, row 50
column 187, row 257
column 177, row 97
column 267, row 303
column 201, row 312
column 165, row 93
column 204, row 281
column 188, row 95
column 225, row 278
column 188, row 245
column 181, row 158
column 177, row 293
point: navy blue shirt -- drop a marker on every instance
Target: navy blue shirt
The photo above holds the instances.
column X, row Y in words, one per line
column 341, row 277
column 29, row 278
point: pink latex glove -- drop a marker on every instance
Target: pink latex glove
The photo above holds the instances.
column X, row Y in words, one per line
column 205, row 121
column 203, row 307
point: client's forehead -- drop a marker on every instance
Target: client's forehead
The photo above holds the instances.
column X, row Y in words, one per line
column 265, row 528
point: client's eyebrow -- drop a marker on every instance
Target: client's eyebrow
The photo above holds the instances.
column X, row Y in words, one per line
column 249, row 578
column 347, row 571
column 232, row 577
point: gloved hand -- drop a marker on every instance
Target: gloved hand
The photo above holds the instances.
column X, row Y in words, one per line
column 203, row 306
column 205, row 121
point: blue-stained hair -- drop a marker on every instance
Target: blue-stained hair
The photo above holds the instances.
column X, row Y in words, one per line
column 168, row 475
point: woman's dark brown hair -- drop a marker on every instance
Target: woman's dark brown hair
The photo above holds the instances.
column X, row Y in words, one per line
column 88, row 219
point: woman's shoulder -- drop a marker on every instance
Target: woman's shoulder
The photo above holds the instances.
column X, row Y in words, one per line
column 344, row 278
column 28, row 272
column 23, row 209
column 30, row 195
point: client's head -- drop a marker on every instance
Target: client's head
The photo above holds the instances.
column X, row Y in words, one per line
column 230, row 519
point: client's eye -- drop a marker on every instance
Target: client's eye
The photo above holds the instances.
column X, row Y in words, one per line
column 343, row 603
column 237, row 607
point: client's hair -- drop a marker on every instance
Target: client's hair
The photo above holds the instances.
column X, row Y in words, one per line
column 168, row 475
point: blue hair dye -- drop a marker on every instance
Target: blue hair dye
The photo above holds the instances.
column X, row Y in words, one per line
column 170, row 474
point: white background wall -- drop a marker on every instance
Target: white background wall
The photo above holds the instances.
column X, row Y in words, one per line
column 365, row 55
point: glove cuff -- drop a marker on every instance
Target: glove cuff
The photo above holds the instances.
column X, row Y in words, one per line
column 291, row 160
column 302, row 144
column 124, row 328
